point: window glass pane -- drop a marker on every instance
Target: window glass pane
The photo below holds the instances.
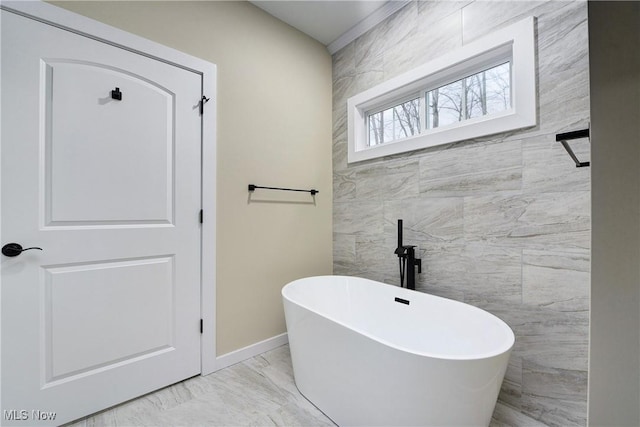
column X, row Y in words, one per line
column 445, row 105
column 499, row 88
column 407, row 119
column 387, row 116
column 397, row 122
column 375, row 129
column 475, row 95
column 483, row 93
column 488, row 92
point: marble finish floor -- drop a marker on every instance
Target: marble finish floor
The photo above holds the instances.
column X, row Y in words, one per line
column 257, row 392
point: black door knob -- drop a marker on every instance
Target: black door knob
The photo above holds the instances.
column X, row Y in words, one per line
column 15, row 249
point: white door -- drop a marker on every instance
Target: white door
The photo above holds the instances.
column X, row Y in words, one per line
column 109, row 309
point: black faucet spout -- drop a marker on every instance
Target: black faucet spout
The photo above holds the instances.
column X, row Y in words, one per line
column 408, row 261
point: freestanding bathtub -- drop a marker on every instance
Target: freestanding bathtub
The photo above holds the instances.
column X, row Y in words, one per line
column 368, row 353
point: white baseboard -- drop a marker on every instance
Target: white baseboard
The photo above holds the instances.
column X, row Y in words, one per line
column 250, row 351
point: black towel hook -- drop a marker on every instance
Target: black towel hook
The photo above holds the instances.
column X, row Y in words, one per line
column 203, row 101
column 116, row 94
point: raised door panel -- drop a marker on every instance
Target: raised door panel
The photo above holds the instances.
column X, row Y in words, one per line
column 105, row 314
column 108, row 161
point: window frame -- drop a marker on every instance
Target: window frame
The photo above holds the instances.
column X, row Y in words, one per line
column 514, row 44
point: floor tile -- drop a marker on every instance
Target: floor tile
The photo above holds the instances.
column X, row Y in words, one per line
column 257, row 392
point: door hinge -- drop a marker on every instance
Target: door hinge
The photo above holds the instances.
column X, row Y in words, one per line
column 201, row 326
column 203, row 101
column 201, row 216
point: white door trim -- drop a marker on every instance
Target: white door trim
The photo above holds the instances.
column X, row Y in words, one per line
column 96, row 30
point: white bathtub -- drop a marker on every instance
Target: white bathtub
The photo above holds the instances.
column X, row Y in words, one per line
column 364, row 358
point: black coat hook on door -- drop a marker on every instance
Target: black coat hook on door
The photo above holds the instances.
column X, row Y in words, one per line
column 116, row 94
column 203, row 101
column 14, row 249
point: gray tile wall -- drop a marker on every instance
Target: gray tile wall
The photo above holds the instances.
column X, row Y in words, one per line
column 501, row 222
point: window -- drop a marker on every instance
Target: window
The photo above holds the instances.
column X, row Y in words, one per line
column 486, row 87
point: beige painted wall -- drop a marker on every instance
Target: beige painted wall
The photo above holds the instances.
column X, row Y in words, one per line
column 614, row 374
column 274, row 129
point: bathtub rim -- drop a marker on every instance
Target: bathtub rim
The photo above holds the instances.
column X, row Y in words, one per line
column 505, row 349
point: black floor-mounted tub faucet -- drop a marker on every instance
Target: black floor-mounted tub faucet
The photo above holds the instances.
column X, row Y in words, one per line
column 407, row 261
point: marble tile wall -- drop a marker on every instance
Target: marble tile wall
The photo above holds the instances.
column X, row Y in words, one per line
column 501, row 222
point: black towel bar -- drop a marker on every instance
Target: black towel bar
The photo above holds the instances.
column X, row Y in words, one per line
column 253, row 187
column 567, row 136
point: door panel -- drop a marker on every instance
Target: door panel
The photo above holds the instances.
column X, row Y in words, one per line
column 140, row 291
column 114, row 188
column 110, row 190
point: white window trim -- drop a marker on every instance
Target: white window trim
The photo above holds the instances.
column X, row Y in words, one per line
column 515, row 42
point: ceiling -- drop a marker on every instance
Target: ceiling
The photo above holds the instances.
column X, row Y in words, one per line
column 328, row 21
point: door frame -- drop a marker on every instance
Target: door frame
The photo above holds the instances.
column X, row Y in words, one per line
column 96, row 30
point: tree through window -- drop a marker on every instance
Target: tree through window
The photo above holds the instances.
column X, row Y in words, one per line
column 394, row 123
column 477, row 95
column 486, row 92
